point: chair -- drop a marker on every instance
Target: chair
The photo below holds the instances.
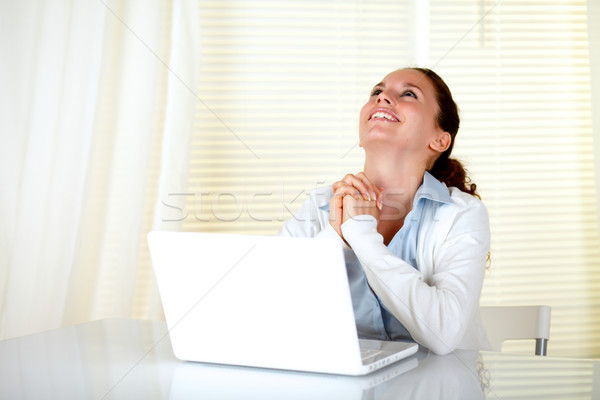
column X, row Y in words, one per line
column 517, row 322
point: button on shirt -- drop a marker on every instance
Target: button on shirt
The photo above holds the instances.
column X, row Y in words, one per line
column 373, row 320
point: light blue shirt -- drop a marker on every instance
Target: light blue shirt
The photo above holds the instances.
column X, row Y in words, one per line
column 373, row 320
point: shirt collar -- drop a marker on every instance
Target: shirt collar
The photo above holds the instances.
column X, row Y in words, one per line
column 432, row 189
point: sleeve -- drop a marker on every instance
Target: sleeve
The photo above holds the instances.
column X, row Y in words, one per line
column 437, row 309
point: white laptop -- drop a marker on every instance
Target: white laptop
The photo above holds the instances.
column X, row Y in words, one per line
column 263, row 301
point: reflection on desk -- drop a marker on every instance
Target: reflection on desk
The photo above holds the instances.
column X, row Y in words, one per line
column 204, row 381
column 130, row 359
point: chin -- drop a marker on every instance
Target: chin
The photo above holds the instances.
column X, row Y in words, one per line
column 376, row 145
column 376, row 136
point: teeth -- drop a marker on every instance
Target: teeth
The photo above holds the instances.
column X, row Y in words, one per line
column 381, row 114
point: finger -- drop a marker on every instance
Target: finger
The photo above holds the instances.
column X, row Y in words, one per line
column 376, row 192
column 379, row 200
column 336, row 214
column 352, row 208
column 337, row 185
column 343, row 189
column 359, row 184
column 336, row 207
column 370, row 187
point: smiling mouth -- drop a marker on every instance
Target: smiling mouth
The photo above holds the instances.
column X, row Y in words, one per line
column 385, row 115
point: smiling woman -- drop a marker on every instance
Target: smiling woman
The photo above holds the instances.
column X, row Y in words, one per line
column 415, row 246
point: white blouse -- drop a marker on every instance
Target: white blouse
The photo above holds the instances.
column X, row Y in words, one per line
column 437, row 300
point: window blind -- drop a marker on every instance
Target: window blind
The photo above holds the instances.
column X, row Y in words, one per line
column 282, row 83
column 521, row 78
column 281, row 87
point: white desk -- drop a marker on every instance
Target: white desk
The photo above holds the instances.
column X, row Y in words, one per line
column 131, row 359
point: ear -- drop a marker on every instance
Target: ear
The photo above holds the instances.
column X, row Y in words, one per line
column 441, row 142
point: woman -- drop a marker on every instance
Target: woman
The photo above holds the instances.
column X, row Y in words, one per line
column 415, row 234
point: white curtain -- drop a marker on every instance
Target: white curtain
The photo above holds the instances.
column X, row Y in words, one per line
column 593, row 25
column 83, row 111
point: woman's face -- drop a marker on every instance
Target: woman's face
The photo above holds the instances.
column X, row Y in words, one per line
column 401, row 114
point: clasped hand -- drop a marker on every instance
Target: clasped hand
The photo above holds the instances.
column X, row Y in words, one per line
column 354, row 195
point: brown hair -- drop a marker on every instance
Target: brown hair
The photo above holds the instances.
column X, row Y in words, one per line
column 448, row 170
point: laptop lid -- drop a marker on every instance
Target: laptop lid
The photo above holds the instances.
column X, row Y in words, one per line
column 262, row 301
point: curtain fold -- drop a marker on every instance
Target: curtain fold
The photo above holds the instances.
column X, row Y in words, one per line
column 83, row 111
column 182, row 97
column 50, row 71
column 102, row 284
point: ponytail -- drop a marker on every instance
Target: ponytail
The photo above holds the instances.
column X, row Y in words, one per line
column 451, row 172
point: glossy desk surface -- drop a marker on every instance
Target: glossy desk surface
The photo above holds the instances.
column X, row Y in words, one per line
column 132, row 359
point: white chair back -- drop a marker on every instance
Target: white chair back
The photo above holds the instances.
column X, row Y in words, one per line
column 517, row 323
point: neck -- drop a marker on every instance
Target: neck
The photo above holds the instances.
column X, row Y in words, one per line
column 395, row 174
column 399, row 180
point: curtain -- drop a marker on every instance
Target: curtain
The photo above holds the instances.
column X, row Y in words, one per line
column 84, row 111
column 50, row 80
column 593, row 26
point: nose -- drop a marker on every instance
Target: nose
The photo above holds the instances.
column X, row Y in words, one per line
column 383, row 97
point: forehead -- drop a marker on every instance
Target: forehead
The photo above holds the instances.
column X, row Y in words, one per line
column 409, row 77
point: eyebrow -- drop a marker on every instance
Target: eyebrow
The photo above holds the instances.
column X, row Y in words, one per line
column 406, row 85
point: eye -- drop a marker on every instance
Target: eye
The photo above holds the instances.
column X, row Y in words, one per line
column 376, row 92
column 410, row 93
